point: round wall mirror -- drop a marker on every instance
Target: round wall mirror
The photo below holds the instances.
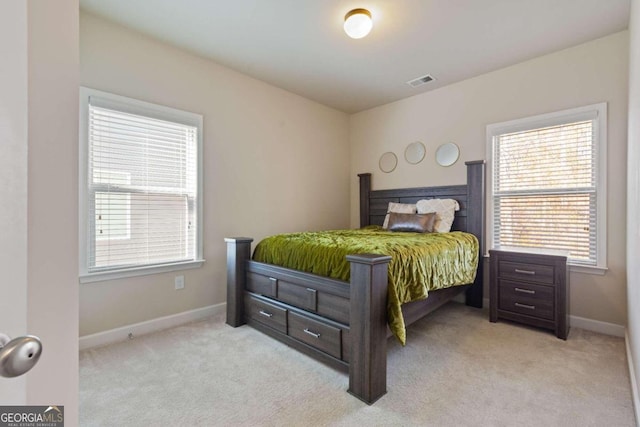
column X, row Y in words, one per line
column 447, row 154
column 414, row 153
column 388, row 162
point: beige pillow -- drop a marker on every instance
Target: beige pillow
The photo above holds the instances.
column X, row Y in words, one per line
column 398, row 208
column 416, row 223
column 444, row 209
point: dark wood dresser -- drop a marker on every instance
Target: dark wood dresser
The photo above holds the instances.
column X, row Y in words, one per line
column 531, row 288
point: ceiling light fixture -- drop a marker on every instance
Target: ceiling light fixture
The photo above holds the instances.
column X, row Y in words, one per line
column 357, row 23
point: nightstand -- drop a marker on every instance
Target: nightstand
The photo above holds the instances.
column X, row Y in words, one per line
column 531, row 288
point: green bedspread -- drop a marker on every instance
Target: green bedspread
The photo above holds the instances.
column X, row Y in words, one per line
column 420, row 262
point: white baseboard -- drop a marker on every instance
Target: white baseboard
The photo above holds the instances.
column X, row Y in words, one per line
column 632, row 375
column 121, row 334
column 597, row 326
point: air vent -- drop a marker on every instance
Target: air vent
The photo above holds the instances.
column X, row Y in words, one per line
column 420, row 81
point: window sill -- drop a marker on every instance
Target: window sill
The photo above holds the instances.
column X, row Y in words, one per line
column 140, row 271
column 588, row 269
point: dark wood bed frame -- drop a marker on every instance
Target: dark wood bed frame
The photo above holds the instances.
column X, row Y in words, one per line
column 340, row 323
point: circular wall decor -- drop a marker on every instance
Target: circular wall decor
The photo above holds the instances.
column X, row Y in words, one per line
column 415, row 152
column 388, row 162
column 447, row 154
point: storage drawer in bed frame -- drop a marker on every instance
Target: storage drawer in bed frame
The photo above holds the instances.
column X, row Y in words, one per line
column 260, row 310
column 329, row 300
column 319, row 334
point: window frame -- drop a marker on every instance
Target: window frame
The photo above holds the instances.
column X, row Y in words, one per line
column 551, row 119
column 133, row 106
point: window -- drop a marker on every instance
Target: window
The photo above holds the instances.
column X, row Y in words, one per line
column 112, row 210
column 140, row 187
column 548, row 184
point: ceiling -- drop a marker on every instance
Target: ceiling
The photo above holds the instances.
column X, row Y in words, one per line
column 300, row 46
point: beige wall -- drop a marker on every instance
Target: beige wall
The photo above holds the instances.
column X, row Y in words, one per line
column 633, row 195
column 273, row 162
column 52, row 263
column 586, row 74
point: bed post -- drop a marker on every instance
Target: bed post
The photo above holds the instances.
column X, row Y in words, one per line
column 238, row 253
column 368, row 326
column 365, row 188
column 476, row 224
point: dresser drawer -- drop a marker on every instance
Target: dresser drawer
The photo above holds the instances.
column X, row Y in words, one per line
column 266, row 313
column 525, row 298
column 536, row 273
column 317, row 334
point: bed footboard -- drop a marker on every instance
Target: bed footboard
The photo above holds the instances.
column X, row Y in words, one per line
column 365, row 344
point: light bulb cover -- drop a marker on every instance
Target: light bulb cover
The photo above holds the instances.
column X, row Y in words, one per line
column 357, row 23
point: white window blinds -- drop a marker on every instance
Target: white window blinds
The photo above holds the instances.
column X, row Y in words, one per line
column 141, row 188
column 545, row 186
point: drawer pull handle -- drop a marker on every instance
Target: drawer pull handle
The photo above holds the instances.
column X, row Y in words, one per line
column 529, row 272
column 530, row 307
column 525, row 291
column 264, row 313
column 313, row 334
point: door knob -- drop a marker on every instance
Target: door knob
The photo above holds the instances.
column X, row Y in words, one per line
column 18, row 355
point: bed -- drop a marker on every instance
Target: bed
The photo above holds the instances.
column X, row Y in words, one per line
column 344, row 324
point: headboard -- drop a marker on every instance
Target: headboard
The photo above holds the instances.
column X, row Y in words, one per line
column 471, row 197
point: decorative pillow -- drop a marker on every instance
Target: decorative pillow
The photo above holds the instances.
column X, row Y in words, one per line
column 444, row 209
column 417, row 223
column 398, row 208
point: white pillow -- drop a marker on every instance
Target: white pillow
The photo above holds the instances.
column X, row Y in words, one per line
column 444, row 209
column 398, row 208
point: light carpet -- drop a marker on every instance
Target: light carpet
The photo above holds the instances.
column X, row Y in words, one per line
column 457, row 369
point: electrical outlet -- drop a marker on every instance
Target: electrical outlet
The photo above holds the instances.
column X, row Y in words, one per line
column 179, row 282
